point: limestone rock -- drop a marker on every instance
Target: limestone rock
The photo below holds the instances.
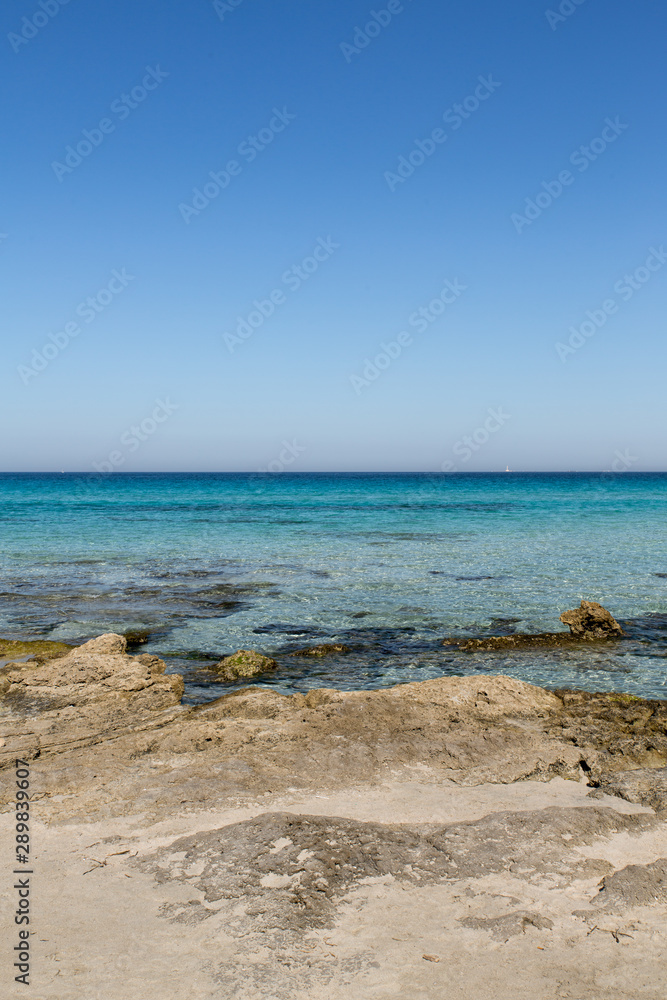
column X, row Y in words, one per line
column 157, row 666
column 316, row 860
column 645, row 785
column 634, row 885
column 99, row 671
column 509, row 925
column 482, row 697
column 109, row 643
column 244, row 663
column 262, row 839
column 591, row 621
column 136, row 637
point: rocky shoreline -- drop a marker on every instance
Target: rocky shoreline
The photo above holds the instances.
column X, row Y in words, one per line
column 463, row 836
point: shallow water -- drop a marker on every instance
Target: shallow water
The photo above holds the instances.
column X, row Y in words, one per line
column 388, row 564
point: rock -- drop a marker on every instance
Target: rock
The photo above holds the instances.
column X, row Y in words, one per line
column 244, row 663
column 634, row 885
column 97, row 673
column 325, row 649
column 587, row 623
column 481, row 697
column 157, row 666
column 614, row 732
column 509, row 925
column 108, row 644
column 591, row 621
column 646, row 786
column 273, row 835
column 136, row 637
column 518, row 641
column 317, row 859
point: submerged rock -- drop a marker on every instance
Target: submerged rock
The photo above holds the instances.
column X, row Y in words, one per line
column 137, row 637
column 324, row 649
column 588, row 623
column 518, row 641
column 244, row 663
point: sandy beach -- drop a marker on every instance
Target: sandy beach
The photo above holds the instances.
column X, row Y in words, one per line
column 458, row 837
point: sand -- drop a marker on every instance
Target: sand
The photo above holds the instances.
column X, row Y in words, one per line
column 449, row 839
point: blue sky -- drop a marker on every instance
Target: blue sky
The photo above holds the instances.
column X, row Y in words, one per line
column 153, row 98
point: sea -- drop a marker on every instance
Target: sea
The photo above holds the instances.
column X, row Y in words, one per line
column 196, row 566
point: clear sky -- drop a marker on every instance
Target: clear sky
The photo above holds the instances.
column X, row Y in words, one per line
column 333, row 235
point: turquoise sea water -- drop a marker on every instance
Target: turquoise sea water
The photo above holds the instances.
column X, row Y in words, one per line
column 388, row 564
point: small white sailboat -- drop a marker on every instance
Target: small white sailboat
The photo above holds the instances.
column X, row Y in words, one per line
column 508, row 469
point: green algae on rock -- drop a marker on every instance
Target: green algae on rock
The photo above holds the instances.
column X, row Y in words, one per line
column 39, row 649
column 590, row 622
column 324, row 649
column 244, row 663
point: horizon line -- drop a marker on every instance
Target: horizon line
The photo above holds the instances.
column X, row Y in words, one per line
column 334, row 472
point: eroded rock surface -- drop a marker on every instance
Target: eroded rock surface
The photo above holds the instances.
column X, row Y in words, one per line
column 290, row 870
column 266, row 847
column 97, row 671
column 647, row 786
column 635, row 885
column 591, row 621
column 86, row 696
